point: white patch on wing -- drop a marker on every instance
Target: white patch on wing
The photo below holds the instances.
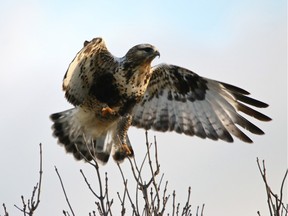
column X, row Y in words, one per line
column 74, row 66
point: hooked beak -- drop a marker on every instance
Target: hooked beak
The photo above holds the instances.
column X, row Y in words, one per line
column 157, row 53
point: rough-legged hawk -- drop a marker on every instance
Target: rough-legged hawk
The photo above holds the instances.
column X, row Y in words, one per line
column 110, row 94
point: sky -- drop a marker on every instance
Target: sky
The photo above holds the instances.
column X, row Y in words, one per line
column 239, row 42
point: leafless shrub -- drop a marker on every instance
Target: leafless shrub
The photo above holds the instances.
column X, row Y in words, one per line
column 29, row 207
column 150, row 198
column 151, row 191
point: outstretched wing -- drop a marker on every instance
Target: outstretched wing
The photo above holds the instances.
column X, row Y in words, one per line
column 92, row 60
column 179, row 100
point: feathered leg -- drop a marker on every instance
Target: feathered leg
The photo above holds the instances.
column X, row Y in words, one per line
column 122, row 145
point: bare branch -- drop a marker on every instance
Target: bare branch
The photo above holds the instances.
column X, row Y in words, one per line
column 65, row 213
column 126, row 191
column 34, row 204
column 108, row 202
column 187, row 206
column 5, row 210
column 173, row 203
column 64, row 191
column 31, row 203
column 282, row 188
column 153, row 173
column 202, row 210
column 102, row 209
column 276, row 205
column 89, row 186
column 165, row 197
column 23, row 209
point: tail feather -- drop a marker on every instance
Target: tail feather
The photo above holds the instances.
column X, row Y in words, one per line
column 86, row 142
column 72, row 136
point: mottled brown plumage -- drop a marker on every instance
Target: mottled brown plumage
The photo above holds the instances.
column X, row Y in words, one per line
column 110, row 94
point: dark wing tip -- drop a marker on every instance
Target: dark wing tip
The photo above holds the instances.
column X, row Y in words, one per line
column 227, row 137
column 250, row 101
column 251, row 112
column 240, row 93
column 234, row 89
column 245, row 138
column 240, row 96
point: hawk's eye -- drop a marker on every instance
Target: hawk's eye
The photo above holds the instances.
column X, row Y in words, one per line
column 147, row 49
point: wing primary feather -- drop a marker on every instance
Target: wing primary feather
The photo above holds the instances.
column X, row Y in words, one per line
column 248, row 125
column 251, row 112
column 228, row 116
column 250, row 101
column 233, row 88
column 221, row 117
column 235, row 98
column 233, row 129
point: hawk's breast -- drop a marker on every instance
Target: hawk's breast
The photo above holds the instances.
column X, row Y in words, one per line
column 105, row 89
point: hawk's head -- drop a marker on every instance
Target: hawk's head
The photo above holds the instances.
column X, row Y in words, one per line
column 135, row 72
column 142, row 54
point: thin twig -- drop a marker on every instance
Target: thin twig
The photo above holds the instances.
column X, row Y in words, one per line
column 100, row 205
column 31, row 204
column 126, row 191
column 153, row 173
column 101, row 196
column 202, row 210
column 277, row 207
column 5, row 210
column 173, row 203
column 282, row 188
column 165, row 198
column 187, row 205
column 23, row 209
column 34, row 205
column 64, row 191
column 108, row 202
column 88, row 184
column 65, row 213
column 263, row 174
column 137, row 176
column 122, row 202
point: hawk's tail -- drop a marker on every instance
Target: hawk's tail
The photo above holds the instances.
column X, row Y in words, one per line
column 89, row 144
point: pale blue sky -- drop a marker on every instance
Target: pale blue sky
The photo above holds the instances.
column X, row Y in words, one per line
column 240, row 42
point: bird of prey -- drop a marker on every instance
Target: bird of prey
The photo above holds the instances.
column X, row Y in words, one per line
column 110, row 94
